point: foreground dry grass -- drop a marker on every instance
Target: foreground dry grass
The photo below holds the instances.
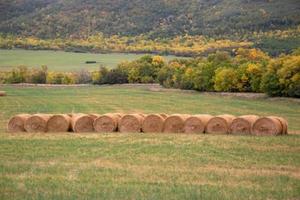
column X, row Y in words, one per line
column 148, row 166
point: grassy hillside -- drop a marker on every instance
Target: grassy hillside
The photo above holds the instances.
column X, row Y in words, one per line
column 62, row 61
column 156, row 18
column 103, row 99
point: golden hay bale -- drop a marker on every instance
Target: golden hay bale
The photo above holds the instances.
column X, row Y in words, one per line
column 267, row 126
column 153, row 123
column 196, row 123
column 284, row 125
column 59, row 123
column 219, row 124
column 82, row 123
column 107, row 123
column 175, row 123
column 17, row 123
column 243, row 124
column 131, row 123
column 2, row 93
column 37, row 123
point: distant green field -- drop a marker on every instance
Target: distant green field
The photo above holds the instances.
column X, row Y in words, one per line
column 145, row 166
column 62, row 61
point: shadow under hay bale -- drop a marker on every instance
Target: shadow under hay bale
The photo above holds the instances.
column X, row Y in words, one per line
column 131, row 123
column 196, row 123
column 82, row 123
column 268, row 126
column 37, row 123
column 59, row 123
column 175, row 123
column 2, row 93
column 107, row 123
column 219, row 124
column 242, row 125
column 17, row 123
column 153, row 123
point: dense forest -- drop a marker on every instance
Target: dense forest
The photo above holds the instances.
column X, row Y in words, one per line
column 155, row 20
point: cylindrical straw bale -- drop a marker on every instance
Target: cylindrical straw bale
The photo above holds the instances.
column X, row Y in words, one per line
column 175, row 123
column 37, row 123
column 196, row 123
column 59, row 123
column 219, row 124
column 82, row 123
column 17, row 123
column 267, row 126
column 131, row 123
column 153, row 123
column 242, row 125
column 107, row 123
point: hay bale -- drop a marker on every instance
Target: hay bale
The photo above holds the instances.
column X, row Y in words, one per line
column 267, row 126
column 153, row 123
column 175, row 123
column 107, row 123
column 2, row 93
column 131, row 123
column 37, row 123
column 196, row 123
column 82, row 123
column 219, row 124
column 242, row 125
column 59, row 123
column 17, row 123
column 284, row 125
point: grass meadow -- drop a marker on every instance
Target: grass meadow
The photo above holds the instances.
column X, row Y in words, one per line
column 145, row 166
column 63, row 61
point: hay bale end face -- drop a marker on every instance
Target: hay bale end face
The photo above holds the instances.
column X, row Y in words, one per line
column 219, row 124
column 267, row 126
column 82, row 123
column 106, row 123
column 37, row 123
column 153, row 123
column 196, row 123
column 2, row 93
column 242, row 125
column 59, row 123
column 17, row 123
column 175, row 123
column 131, row 123
column 284, row 125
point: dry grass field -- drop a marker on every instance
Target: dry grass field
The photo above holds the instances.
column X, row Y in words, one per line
column 145, row 166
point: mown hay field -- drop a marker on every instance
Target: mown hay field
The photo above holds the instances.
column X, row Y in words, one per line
column 145, row 166
column 63, row 61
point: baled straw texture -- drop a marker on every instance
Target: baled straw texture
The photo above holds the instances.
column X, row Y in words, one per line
column 82, row 123
column 267, row 126
column 17, row 123
column 107, row 123
column 131, row 123
column 59, row 123
column 153, row 123
column 196, row 123
column 284, row 125
column 175, row 123
column 219, row 124
column 2, row 93
column 37, row 123
column 242, row 125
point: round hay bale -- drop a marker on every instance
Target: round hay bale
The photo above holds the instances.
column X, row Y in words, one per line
column 267, row 126
column 107, row 123
column 37, row 123
column 284, row 125
column 242, row 125
column 131, row 123
column 59, row 123
column 2, row 93
column 17, row 123
column 219, row 124
column 82, row 123
column 175, row 123
column 153, row 123
column 196, row 123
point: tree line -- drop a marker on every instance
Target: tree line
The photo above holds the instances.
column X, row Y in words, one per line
column 248, row 70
